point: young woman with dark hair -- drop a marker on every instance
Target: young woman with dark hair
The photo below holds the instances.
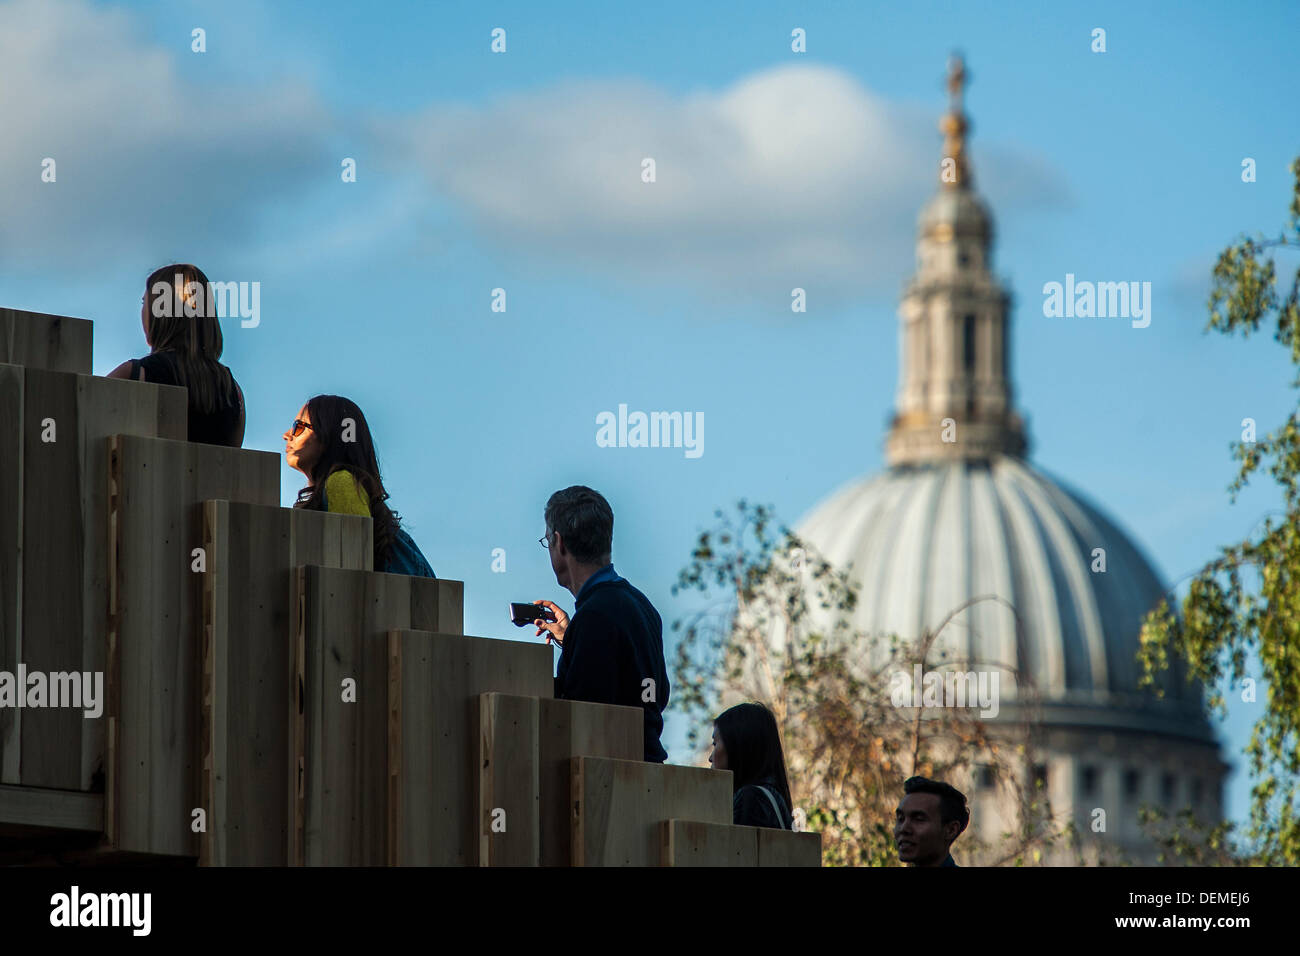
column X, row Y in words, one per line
column 330, row 443
column 746, row 742
column 184, row 337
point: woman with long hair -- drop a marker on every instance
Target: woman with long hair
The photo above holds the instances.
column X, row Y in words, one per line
column 330, row 443
column 184, row 338
column 746, row 741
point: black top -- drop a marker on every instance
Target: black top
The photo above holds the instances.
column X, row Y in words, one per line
column 216, row 428
column 751, row 808
column 613, row 643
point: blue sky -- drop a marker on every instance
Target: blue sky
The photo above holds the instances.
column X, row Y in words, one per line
column 520, row 171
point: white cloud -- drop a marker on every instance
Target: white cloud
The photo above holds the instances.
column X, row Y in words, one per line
column 152, row 163
column 794, row 176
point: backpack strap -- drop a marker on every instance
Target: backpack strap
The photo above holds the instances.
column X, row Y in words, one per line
column 771, row 798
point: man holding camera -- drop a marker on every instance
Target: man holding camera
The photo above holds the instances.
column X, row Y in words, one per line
column 612, row 647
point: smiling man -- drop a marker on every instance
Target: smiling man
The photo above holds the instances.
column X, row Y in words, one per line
column 929, row 818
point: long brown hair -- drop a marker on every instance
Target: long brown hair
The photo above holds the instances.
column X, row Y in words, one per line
column 753, row 744
column 356, row 456
column 183, row 331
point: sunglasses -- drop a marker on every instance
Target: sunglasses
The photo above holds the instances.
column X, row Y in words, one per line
column 298, row 428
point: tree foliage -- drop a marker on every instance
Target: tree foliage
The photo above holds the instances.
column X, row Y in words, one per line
column 1245, row 604
column 780, row 632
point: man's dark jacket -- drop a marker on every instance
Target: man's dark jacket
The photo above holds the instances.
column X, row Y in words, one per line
column 613, row 643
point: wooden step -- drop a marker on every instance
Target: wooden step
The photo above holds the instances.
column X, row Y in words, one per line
column 572, row 728
column 784, row 848
column 526, row 745
column 340, row 794
column 692, row 843
column 156, row 616
column 509, row 791
column 618, row 806
column 250, row 614
column 54, row 552
column 39, row 809
column 49, row 827
column 54, row 342
column 434, row 712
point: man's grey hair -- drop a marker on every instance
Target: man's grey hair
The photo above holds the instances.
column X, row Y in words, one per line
column 585, row 521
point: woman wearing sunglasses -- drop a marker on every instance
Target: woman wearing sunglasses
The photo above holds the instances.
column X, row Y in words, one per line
column 330, row 443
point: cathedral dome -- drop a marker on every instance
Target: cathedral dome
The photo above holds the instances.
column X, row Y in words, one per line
column 1020, row 577
column 920, row 540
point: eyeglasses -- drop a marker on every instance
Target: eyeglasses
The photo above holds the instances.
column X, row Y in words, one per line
column 545, row 540
column 298, row 428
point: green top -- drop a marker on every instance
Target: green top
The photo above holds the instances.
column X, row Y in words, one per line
column 344, row 495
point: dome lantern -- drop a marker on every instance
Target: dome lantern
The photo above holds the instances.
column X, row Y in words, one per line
column 954, row 397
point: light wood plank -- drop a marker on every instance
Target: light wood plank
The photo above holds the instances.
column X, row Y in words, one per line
column 508, row 791
column 444, row 604
column 786, row 848
column 332, row 741
column 250, row 619
column 342, row 811
column 355, row 535
column 573, row 728
column 61, row 556
column 37, row 340
column 106, row 407
column 246, row 665
column 156, row 639
column 56, row 809
column 619, row 804
column 691, row 843
column 53, row 559
column 435, row 683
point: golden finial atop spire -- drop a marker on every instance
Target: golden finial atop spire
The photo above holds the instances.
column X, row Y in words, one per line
column 956, row 81
column 955, row 175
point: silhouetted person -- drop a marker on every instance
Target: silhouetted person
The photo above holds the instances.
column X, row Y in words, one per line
column 746, row 742
column 612, row 648
column 330, row 443
column 184, row 337
column 929, row 818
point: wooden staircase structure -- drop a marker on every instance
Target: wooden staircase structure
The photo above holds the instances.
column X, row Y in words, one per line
column 268, row 698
